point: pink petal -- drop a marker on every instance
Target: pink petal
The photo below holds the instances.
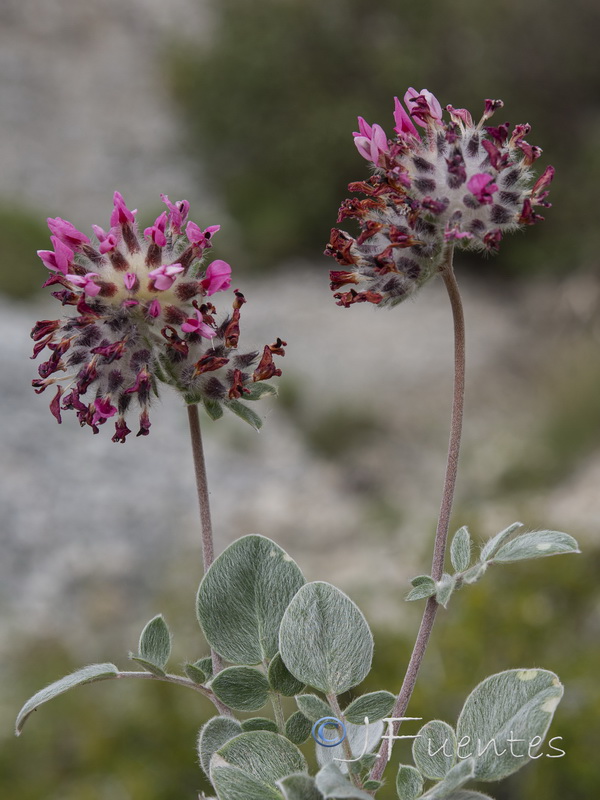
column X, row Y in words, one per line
column 154, row 309
column 364, row 127
column 403, row 122
column 129, row 280
column 218, row 277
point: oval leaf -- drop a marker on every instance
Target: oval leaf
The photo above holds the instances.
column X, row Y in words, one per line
column 409, row 782
column 264, row 755
column 460, row 549
column 325, row 640
column 375, row 705
column 213, row 735
column 259, row 724
column 233, row 783
column 503, row 715
column 537, row 544
column 331, row 783
column 496, row 541
column 281, row 679
column 242, row 598
column 155, row 642
column 361, row 738
column 90, row 674
column 241, row 688
column 434, row 749
column 455, row 779
column 298, row 728
column 313, row 707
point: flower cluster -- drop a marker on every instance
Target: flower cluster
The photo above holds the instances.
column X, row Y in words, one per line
column 141, row 313
column 459, row 183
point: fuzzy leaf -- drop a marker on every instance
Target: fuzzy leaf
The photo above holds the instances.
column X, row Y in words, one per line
column 264, row 755
column 155, row 642
column 505, row 713
column 423, row 586
column 241, row 688
column 474, row 573
column 233, row 783
column 409, row 782
column 95, row 672
column 260, row 389
column 282, row 680
column 243, row 596
column 194, row 673
column 245, row 413
column 325, row 640
column 460, row 549
column 299, row 787
column 213, row 735
column 467, row 794
column 298, row 727
column 149, row 666
column 332, row 784
column 313, row 707
column 213, row 408
column 375, row 705
column 206, row 665
column 456, row 777
column 537, row 544
column 497, row 541
column 434, row 751
column 444, row 589
column 259, row 724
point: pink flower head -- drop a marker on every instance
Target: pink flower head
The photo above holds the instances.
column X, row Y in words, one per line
column 60, row 259
column 423, row 106
column 67, row 232
column 197, row 325
column 121, row 215
column 103, row 410
column 157, row 231
column 483, row 187
column 177, row 213
column 107, row 241
column 198, row 237
column 404, row 124
column 217, row 278
column 370, row 141
column 86, row 283
column 460, row 115
column 164, row 276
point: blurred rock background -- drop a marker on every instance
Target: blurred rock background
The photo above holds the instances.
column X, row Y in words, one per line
column 246, row 108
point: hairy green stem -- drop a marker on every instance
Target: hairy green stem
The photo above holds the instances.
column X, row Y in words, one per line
column 177, row 679
column 278, row 710
column 208, row 552
column 333, row 702
column 441, row 537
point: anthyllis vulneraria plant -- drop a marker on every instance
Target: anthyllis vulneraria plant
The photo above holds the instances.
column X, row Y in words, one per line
column 142, row 313
column 272, row 635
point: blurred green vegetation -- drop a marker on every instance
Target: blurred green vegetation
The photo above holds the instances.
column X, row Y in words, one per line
column 126, row 740
column 22, row 233
column 270, row 104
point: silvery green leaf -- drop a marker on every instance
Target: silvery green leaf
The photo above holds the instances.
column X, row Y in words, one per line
column 434, row 751
column 496, row 541
column 259, row 724
column 536, row 544
column 149, row 666
column 155, row 642
column 260, row 389
column 90, row 674
column 282, row 680
column 241, row 688
column 213, row 735
column 206, row 665
column 242, row 598
column 313, row 707
column 367, row 761
column 455, row 778
column 474, row 573
column 467, row 794
column 299, row 787
column 325, row 640
column 409, row 782
column 232, row 783
column 423, row 586
column 298, row 727
column 332, row 784
column 444, row 589
column 511, row 708
column 460, row 549
column 213, row 408
column 361, row 738
column 371, row 785
column 194, row 673
column 264, row 755
column 245, row 413
column 374, row 705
